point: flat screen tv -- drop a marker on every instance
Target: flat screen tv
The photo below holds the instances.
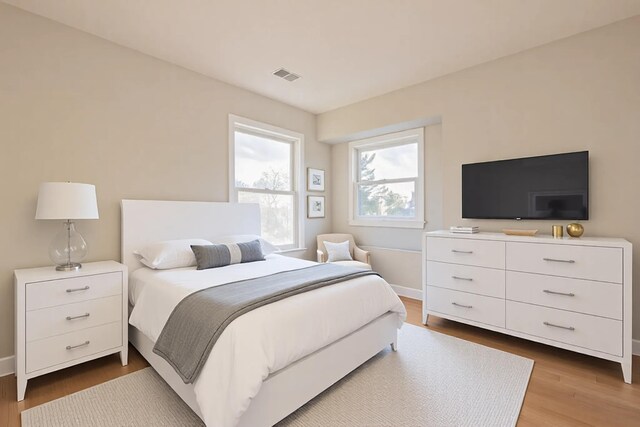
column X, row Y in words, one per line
column 543, row 187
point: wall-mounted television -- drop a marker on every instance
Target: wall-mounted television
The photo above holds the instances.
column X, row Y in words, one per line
column 544, row 187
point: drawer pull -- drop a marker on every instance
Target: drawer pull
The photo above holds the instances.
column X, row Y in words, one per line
column 82, row 316
column 566, row 294
column 86, row 288
column 455, row 251
column 568, row 328
column 461, row 305
column 468, row 279
column 71, row 347
column 568, row 261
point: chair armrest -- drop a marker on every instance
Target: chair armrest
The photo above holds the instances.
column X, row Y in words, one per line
column 361, row 255
column 320, row 255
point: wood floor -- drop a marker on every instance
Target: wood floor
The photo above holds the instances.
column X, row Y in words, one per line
column 566, row 389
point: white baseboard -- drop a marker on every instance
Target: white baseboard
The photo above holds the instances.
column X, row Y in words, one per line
column 403, row 291
column 636, row 347
column 7, row 366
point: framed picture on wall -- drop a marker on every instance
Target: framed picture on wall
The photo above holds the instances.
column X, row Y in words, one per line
column 315, row 206
column 315, row 179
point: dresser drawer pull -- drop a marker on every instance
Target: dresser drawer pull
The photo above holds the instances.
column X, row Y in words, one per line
column 71, row 347
column 82, row 316
column 568, row 328
column 468, row 279
column 566, row 294
column 86, row 288
column 455, row 251
column 568, row 261
column 461, row 305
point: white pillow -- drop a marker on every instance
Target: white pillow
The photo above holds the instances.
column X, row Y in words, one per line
column 267, row 248
column 170, row 253
column 338, row 251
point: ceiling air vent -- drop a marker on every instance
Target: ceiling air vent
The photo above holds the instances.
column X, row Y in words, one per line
column 286, row 74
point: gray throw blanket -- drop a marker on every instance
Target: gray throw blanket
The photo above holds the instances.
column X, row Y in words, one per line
column 199, row 319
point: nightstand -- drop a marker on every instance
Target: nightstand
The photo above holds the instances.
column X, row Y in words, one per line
column 67, row 318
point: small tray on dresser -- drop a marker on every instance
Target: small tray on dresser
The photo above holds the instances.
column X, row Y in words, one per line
column 518, row 232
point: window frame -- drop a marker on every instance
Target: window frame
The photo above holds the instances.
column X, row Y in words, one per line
column 378, row 142
column 296, row 172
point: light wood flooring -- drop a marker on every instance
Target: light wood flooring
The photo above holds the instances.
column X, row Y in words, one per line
column 566, row 389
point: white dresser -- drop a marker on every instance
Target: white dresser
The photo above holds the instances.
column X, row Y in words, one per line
column 66, row 318
column 569, row 293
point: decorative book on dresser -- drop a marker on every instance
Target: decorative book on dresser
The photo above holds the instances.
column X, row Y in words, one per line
column 569, row 293
column 65, row 318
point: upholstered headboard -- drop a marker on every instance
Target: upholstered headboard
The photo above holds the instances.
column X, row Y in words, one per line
column 147, row 221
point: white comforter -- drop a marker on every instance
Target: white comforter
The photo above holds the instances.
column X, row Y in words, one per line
column 264, row 340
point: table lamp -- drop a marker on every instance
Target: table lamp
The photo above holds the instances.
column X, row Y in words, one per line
column 67, row 201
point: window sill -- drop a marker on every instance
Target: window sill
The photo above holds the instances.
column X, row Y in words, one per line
column 286, row 251
column 387, row 223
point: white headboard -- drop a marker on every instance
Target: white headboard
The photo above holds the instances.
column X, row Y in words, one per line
column 147, row 221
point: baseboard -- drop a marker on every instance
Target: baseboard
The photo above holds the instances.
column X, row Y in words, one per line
column 636, row 347
column 7, row 366
column 412, row 293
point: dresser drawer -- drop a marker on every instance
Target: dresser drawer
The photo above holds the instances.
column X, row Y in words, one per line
column 584, row 296
column 76, row 289
column 466, row 306
column 581, row 262
column 53, row 351
column 477, row 280
column 481, row 253
column 63, row 319
column 595, row 333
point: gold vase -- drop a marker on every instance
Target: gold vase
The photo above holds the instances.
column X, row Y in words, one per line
column 556, row 231
column 575, row 229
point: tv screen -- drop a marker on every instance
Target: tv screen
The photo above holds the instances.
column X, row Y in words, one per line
column 544, row 187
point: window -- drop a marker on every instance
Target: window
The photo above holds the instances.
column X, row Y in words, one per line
column 265, row 169
column 387, row 175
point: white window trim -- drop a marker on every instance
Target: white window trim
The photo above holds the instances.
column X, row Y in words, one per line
column 298, row 175
column 387, row 140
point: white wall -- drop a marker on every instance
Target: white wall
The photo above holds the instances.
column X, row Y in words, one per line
column 76, row 107
column 580, row 93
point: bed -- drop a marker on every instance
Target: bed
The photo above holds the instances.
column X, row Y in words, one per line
column 272, row 360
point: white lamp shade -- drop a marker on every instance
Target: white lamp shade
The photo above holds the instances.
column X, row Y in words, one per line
column 67, row 200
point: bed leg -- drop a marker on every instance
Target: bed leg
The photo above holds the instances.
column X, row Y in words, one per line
column 394, row 345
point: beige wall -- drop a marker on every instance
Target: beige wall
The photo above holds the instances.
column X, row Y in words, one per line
column 76, row 107
column 580, row 93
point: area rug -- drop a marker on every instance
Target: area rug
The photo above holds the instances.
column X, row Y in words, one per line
column 432, row 380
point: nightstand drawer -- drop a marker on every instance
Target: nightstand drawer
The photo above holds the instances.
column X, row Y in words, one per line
column 60, row 349
column 62, row 319
column 66, row 291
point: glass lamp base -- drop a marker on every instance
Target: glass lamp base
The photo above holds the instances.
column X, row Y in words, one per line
column 74, row 266
column 68, row 248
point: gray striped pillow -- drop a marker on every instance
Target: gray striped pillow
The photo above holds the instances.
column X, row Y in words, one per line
column 213, row 256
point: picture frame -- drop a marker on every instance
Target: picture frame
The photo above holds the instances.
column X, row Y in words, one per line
column 315, row 207
column 315, row 179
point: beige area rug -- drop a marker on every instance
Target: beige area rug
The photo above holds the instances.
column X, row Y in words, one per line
column 433, row 380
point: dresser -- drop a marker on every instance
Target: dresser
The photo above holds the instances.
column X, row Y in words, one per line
column 569, row 293
column 66, row 318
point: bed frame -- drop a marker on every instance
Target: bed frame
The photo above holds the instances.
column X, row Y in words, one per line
column 146, row 221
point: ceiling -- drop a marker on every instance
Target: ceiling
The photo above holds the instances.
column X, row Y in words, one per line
column 345, row 50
